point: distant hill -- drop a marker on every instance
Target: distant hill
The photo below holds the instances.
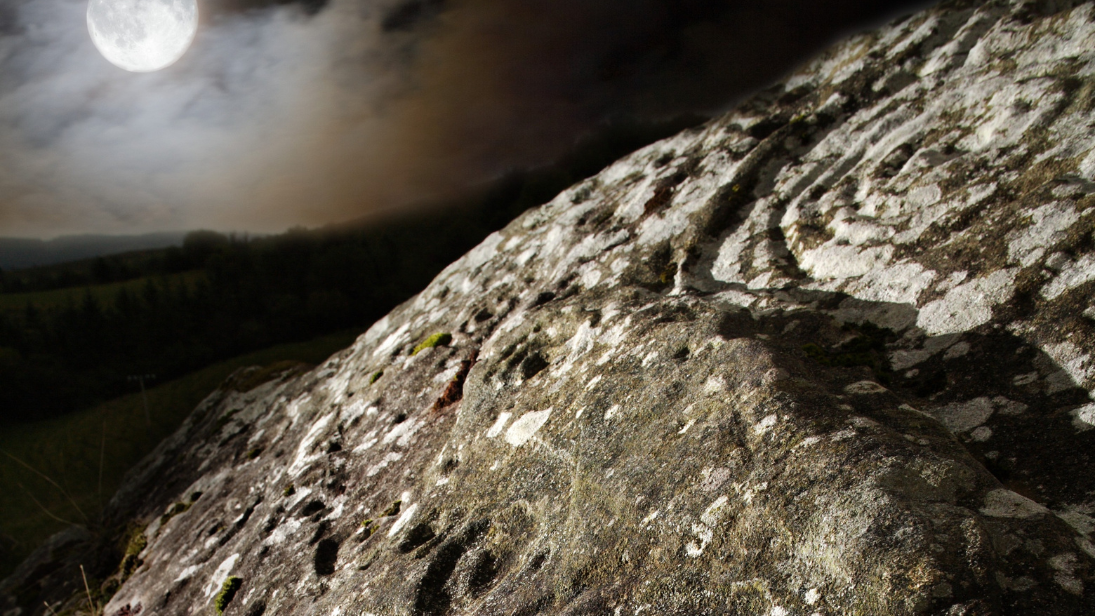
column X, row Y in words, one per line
column 20, row 253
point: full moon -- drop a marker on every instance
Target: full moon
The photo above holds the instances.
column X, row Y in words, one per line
column 142, row 35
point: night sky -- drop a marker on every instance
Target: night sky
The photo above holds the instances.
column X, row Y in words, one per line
column 313, row 112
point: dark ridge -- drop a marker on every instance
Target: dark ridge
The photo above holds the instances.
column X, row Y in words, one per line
column 432, row 596
column 311, row 507
column 417, row 536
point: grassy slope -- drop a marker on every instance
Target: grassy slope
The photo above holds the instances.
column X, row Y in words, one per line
column 68, row 448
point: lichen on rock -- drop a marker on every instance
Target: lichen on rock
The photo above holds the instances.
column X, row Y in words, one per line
column 828, row 354
column 441, row 339
column 228, row 592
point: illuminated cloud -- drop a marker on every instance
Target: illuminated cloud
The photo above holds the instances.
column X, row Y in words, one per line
column 288, row 113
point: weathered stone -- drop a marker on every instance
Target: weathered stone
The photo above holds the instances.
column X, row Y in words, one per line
column 829, row 354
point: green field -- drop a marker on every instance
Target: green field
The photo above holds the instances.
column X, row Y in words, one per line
column 15, row 304
column 112, row 437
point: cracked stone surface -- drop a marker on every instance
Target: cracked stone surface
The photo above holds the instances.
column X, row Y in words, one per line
column 828, row 354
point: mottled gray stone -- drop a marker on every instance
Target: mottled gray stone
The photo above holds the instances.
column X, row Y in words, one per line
column 827, row 354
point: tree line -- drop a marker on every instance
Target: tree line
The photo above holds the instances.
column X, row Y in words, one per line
column 247, row 295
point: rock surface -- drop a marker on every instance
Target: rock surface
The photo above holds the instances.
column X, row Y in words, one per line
column 829, row 354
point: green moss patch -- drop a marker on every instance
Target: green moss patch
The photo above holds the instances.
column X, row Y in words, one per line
column 393, row 509
column 369, row 527
column 228, row 592
column 135, row 543
column 440, row 339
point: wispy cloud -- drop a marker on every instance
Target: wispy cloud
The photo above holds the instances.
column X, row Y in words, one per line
column 313, row 112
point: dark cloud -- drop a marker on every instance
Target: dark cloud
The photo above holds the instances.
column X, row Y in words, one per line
column 220, row 9
column 407, row 15
column 313, row 111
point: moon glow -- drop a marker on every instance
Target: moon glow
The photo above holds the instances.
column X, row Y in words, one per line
column 142, row 35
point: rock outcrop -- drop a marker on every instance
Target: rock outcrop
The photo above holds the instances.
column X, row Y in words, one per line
column 828, row 354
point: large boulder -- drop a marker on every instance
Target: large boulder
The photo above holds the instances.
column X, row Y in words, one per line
column 829, row 354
